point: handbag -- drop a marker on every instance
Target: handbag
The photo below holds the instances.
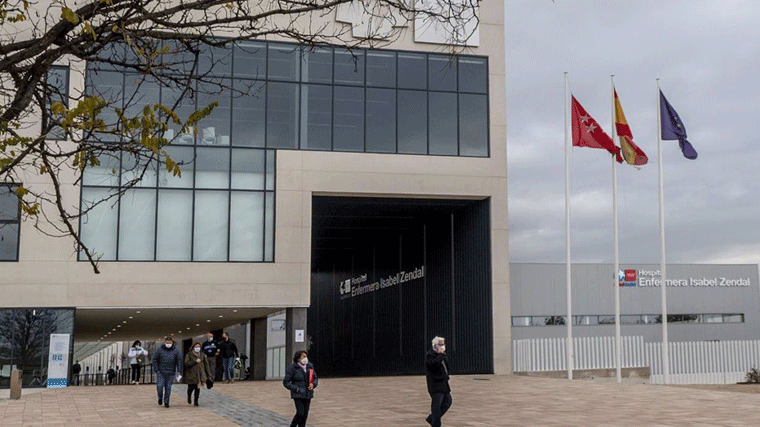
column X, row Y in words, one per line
column 209, row 384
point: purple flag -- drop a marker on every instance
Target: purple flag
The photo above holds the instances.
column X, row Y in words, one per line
column 673, row 128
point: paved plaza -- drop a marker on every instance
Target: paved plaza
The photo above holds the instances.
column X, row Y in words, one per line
column 479, row 400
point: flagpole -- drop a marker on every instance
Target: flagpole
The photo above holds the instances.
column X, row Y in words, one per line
column 663, row 287
column 616, row 284
column 569, row 322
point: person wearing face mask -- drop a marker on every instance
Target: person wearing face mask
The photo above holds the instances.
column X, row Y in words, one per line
column 437, row 376
column 301, row 380
column 136, row 357
column 211, row 349
column 197, row 371
column 167, row 362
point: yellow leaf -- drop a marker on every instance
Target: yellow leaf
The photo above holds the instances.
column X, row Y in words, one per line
column 69, row 15
column 88, row 29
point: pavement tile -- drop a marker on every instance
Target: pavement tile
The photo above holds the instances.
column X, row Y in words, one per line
column 479, row 401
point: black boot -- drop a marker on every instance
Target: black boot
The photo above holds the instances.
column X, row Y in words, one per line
column 197, row 395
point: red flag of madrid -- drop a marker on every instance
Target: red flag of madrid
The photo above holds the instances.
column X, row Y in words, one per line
column 588, row 133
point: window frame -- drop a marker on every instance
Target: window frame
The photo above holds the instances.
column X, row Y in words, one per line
column 300, row 81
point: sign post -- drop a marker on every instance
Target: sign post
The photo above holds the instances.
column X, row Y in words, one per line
column 58, row 361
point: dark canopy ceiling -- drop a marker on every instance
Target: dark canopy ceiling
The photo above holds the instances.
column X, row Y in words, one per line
column 338, row 222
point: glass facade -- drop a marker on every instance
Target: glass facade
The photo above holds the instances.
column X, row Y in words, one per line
column 25, row 341
column 10, row 222
column 220, row 209
column 627, row 319
column 271, row 96
column 287, row 96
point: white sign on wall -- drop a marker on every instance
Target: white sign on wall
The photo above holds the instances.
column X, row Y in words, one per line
column 449, row 22
column 370, row 19
column 651, row 278
column 58, row 361
column 461, row 29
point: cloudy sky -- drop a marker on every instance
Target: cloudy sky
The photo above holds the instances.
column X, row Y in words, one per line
column 707, row 56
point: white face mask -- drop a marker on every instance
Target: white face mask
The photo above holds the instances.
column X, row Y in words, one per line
column 197, row 349
column 443, row 348
column 305, row 360
column 168, row 344
column 210, row 338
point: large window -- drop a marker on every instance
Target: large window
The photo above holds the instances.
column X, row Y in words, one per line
column 286, row 96
column 10, row 223
column 220, row 209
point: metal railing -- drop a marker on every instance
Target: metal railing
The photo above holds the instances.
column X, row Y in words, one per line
column 121, row 377
column 147, row 376
column 691, row 362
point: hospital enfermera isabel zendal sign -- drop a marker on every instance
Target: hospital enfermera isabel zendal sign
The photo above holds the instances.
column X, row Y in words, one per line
column 651, row 278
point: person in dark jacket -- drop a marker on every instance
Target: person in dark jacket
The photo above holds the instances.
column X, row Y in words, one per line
column 76, row 370
column 301, row 380
column 197, row 371
column 111, row 374
column 167, row 362
column 437, row 375
column 211, row 349
column 228, row 350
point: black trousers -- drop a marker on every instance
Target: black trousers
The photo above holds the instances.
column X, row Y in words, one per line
column 302, row 412
column 135, row 372
column 439, row 404
column 193, row 389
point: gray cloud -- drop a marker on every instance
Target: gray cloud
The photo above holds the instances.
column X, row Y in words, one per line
column 708, row 59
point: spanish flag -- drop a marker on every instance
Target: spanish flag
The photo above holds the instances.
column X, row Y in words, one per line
column 631, row 152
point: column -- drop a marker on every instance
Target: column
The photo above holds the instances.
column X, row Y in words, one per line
column 295, row 320
column 258, row 349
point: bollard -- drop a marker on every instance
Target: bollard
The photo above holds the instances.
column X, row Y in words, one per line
column 15, row 384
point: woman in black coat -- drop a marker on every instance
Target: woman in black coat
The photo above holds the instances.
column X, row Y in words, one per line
column 301, row 380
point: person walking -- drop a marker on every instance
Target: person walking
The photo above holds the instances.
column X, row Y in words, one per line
column 111, row 374
column 211, row 349
column 229, row 352
column 437, row 376
column 301, row 380
column 76, row 369
column 197, row 370
column 137, row 356
column 167, row 362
